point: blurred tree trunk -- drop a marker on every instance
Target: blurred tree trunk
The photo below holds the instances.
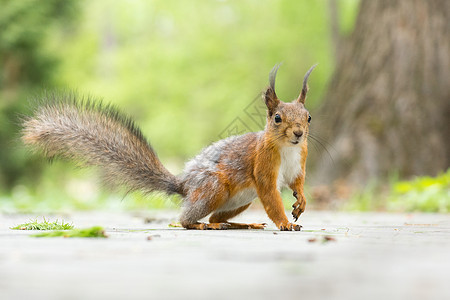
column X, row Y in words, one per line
column 387, row 108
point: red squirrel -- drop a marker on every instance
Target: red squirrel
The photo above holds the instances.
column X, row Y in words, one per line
column 221, row 181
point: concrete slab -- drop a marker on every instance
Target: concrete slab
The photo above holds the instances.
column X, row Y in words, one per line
column 369, row 256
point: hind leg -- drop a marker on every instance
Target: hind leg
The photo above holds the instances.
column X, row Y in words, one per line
column 201, row 202
column 206, row 226
column 198, row 210
column 222, row 218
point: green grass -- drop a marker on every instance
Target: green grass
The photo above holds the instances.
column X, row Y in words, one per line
column 92, row 232
column 57, row 229
column 44, row 225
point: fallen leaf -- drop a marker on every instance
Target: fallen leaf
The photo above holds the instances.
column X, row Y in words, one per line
column 328, row 238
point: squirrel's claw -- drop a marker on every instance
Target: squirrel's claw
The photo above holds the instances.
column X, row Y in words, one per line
column 298, row 208
column 297, row 212
column 290, row 227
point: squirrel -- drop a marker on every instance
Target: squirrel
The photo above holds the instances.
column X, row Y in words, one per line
column 221, row 181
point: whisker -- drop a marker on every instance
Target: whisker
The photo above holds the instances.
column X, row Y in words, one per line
column 323, row 146
column 315, row 146
column 322, row 140
column 275, row 139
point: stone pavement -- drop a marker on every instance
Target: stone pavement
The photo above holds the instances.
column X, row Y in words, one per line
column 336, row 256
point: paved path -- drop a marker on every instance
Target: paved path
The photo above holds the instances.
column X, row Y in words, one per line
column 369, row 256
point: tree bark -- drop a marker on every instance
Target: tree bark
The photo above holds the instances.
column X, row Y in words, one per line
column 387, row 108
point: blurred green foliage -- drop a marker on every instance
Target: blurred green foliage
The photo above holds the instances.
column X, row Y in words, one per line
column 185, row 70
column 425, row 194
column 62, row 189
column 430, row 194
column 25, row 64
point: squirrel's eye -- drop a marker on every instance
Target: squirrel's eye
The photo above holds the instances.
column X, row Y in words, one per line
column 277, row 118
column 309, row 119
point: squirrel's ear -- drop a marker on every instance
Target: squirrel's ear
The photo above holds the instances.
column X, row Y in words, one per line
column 302, row 97
column 270, row 97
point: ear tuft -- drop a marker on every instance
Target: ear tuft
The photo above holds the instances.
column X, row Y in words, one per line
column 302, row 97
column 270, row 97
column 273, row 75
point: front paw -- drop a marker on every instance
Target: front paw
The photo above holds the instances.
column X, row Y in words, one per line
column 298, row 208
column 289, row 227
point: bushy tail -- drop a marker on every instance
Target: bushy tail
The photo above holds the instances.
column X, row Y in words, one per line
column 94, row 134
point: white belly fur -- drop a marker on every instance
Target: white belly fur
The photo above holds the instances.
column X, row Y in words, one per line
column 290, row 167
column 241, row 198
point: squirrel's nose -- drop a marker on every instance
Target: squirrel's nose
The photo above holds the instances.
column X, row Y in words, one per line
column 298, row 133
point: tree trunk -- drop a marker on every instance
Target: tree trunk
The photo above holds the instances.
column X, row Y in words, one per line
column 387, row 108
